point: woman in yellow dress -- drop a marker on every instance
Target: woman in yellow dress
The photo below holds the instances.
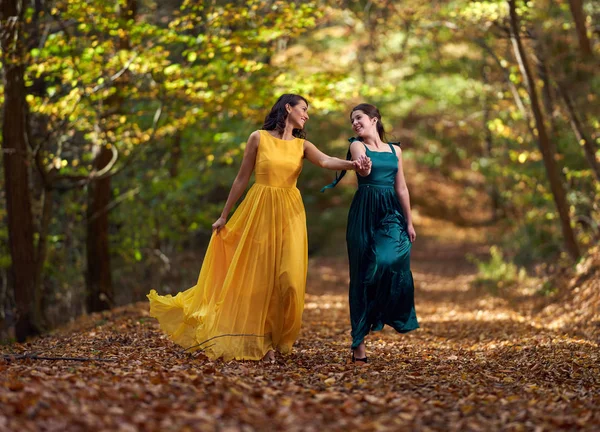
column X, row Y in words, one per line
column 249, row 298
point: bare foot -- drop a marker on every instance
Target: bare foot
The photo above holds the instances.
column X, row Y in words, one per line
column 269, row 357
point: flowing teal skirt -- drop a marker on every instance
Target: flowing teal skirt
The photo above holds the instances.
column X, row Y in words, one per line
column 381, row 283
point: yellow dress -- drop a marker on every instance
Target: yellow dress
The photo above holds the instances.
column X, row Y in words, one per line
column 249, row 296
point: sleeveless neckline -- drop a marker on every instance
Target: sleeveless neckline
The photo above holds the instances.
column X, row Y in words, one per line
column 279, row 139
column 392, row 151
column 373, row 151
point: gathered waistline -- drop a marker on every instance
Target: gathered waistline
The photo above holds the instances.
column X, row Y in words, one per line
column 275, row 187
column 375, row 186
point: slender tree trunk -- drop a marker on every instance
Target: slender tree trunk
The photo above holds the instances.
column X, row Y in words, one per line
column 42, row 186
column 511, row 85
column 547, row 96
column 552, row 169
column 42, row 248
column 579, row 17
column 5, row 313
column 175, row 155
column 544, row 75
column 589, row 148
column 489, row 144
column 16, row 169
column 99, row 276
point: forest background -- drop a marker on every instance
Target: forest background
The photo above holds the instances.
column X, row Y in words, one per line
column 124, row 123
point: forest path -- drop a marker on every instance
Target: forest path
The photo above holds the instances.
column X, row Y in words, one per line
column 475, row 364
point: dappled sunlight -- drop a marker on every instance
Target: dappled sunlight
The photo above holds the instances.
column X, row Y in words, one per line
column 430, row 283
column 128, row 130
column 474, row 356
column 325, row 302
column 452, row 314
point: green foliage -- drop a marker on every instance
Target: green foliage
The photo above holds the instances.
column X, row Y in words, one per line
column 135, row 85
column 497, row 273
column 175, row 92
column 548, row 289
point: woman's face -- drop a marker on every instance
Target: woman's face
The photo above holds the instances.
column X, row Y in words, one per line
column 362, row 124
column 298, row 114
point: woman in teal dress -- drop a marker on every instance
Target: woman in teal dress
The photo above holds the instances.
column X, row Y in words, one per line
column 379, row 235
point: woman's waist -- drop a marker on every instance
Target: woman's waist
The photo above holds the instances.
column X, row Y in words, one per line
column 275, row 185
column 379, row 185
column 376, row 197
column 276, row 180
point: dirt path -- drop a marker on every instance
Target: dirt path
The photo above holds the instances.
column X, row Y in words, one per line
column 476, row 364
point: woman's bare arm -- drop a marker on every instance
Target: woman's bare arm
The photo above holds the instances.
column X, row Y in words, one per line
column 320, row 159
column 404, row 196
column 241, row 180
column 357, row 149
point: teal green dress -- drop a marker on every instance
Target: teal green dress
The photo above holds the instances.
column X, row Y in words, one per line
column 381, row 283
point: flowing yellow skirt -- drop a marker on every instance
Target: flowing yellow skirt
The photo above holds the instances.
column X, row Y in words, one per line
column 249, row 297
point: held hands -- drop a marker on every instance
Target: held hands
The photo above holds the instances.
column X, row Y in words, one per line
column 362, row 165
column 220, row 223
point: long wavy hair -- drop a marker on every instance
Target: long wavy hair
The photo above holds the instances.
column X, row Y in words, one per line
column 372, row 112
column 276, row 119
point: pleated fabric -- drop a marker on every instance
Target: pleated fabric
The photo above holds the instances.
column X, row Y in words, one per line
column 249, row 296
column 381, row 284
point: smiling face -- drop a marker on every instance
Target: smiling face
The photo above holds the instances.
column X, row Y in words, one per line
column 362, row 124
column 290, row 110
column 297, row 114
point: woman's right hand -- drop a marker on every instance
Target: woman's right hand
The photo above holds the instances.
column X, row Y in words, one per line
column 219, row 223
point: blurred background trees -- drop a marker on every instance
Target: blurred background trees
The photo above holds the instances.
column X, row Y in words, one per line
column 124, row 123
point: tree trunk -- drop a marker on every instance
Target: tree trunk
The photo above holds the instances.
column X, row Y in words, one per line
column 175, row 155
column 547, row 97
column 589, row 148
column 99, row 278
column 579, row 17
column 42, row 248
column 552, row 169
column 544, row 75
column 37, row 127
column 511, row 86
column 16, row 170
column 487, row 150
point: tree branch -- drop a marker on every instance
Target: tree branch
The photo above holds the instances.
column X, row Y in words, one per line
column 116, row 76
column 11, row 357
column 114, row 203
column 512, row 87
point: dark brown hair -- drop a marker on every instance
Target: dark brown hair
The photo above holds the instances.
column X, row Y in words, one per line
column 372, row 112
column 275, row 120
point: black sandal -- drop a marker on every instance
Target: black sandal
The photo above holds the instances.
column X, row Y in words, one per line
column 363, row 360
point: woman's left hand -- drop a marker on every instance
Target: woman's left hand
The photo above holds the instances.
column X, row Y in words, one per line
column 219, row 224
column 412, row 234
column 363, row 165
